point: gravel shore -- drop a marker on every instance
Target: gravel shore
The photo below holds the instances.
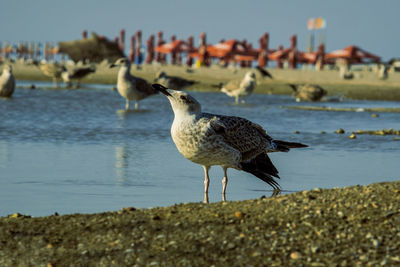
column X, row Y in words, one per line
column 352, row 226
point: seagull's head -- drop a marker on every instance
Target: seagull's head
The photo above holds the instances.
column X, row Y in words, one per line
column 123, row 61
column 250, row 75
column 161, row 74
column 180, row 100
column 7, row 68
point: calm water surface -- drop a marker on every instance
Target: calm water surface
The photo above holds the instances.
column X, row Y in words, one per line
column 70, row 151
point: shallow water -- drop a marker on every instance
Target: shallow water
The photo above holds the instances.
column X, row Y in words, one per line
column 70, row 151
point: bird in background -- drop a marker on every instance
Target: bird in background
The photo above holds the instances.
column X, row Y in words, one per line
column 175, row 82
column 240, row 89
column 53, row 70
column 77, row 73
column 129, row 86
column 231, row 142
column 7, row 82
column 307, row 92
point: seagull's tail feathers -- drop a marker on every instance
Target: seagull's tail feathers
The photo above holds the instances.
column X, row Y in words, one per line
column 284, row 146
column 264, row 72
column 263, row 168
column 293, row 86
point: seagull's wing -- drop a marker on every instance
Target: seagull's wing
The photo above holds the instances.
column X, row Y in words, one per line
column 143, row 86
column 250, row 139
column 253, row 143
column 232, row 85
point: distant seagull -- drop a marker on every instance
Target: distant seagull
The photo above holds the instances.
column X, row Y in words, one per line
column 52, row 70
column 231, row 142
column 307, row 92
column 383, row 71
column 77, row 74
column 264, row 72
column 129, row 86
column 7, row 82
column 240, row 88
column 344, row 73
column 174, row 82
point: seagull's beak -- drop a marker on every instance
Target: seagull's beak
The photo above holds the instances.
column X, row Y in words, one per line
column 112, row 65
column 161, row 88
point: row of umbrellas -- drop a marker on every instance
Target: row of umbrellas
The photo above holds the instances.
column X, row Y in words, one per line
column 235, row 50
column 98, row 47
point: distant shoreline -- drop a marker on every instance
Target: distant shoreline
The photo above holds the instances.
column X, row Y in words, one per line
column 365, row 86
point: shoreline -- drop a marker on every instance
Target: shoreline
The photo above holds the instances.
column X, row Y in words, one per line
column 365, row 86
column 353, row 225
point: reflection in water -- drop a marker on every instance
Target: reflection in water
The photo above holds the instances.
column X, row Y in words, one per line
column 121, row 164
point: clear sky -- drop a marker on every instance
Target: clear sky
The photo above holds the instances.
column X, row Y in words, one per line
column 372, row 25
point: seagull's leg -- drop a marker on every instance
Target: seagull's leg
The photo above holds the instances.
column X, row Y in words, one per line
column 55, row 82
column 206, row 183
column 127, row 104
column 224, row 183
column 136, row 105
column 276, row 192
column 243, row 101
column 237, row 99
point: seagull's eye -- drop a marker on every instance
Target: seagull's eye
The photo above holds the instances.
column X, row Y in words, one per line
column 183, row 97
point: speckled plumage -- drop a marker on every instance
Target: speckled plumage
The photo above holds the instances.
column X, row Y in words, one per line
column 228, row 141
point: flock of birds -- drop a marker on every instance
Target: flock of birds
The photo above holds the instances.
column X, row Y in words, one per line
column 204, row 138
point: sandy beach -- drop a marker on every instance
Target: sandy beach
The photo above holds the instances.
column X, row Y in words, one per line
column 365, row 85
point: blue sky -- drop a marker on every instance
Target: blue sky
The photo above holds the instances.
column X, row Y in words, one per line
column 372, row 25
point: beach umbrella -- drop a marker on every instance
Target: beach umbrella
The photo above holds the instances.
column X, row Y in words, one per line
column 353, row 54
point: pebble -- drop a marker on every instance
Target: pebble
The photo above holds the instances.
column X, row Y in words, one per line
column 340, row 131
column 295, row 255
column 352, row 136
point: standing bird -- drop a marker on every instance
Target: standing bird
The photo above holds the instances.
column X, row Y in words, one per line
column 7, row 82
column 175, row 82
column 231, row 142
column 52, row 70
column 78, row 74
column 307, row 92
column 129, row 86
column 240, row 88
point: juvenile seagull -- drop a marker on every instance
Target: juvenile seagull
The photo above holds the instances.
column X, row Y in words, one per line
column 7, row 82
column 129, row 86
column 77, row 74
column 240, row 88
column 307, row 92
column 172, row 81
column 52, row 70
column 231, row 142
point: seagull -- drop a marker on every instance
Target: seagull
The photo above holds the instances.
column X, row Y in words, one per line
column 173, row 81
column 129, row 86
column 7, row 82
column 53, row 70
column 240, row 88
column 77, row 73
column 307, row 92
column 231, row 142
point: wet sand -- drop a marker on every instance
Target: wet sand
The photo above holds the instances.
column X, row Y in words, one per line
column 358, row 225
column 365, row 85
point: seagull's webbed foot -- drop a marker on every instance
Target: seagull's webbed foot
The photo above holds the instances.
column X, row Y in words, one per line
column 276, row 192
